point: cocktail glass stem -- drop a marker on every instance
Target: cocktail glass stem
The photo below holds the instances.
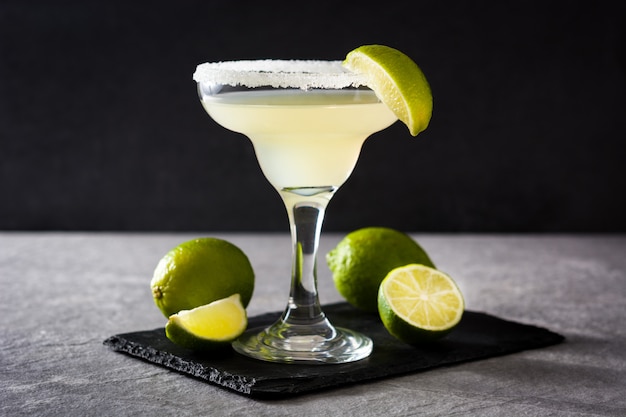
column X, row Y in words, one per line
column 306, row 214
column 303, row 333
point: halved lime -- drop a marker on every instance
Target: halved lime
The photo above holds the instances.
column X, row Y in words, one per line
column 417, row 303
column 397, row 81
column 210, row 326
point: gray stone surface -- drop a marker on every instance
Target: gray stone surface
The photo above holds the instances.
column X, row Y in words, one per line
column 63, row 294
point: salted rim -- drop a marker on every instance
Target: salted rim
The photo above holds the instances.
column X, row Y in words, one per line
column 303, row 74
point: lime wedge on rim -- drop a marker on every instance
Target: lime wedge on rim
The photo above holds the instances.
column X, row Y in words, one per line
column 210, row 326
column 417, row 303
column 397, row 81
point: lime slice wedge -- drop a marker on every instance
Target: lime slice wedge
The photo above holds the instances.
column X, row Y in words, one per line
column 397, row 81
column 417, row 303
column 210, row 326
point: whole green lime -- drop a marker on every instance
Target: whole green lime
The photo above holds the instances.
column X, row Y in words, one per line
column 200, row 271
column 364, row 257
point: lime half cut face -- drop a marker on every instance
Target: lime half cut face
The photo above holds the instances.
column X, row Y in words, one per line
column 417, row 303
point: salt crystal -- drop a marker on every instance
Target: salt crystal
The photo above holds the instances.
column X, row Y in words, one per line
column 303, row 74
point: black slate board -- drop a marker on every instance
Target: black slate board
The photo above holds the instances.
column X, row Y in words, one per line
column 478, row 336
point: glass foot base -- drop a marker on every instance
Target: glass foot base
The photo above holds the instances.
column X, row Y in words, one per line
column 287, row 345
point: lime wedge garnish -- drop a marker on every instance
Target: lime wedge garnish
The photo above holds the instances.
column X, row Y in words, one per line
column 210, row 326
column 397, row 81
column 417, row 303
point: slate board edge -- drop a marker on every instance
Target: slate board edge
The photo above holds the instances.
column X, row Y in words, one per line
column 186, row 367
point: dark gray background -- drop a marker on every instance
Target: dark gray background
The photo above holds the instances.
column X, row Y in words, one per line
column 101, row 128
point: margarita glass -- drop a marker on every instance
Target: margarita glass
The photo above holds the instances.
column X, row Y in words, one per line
column 307, row 121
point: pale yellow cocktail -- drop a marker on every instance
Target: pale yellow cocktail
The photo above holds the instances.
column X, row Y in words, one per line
column 303, row 138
